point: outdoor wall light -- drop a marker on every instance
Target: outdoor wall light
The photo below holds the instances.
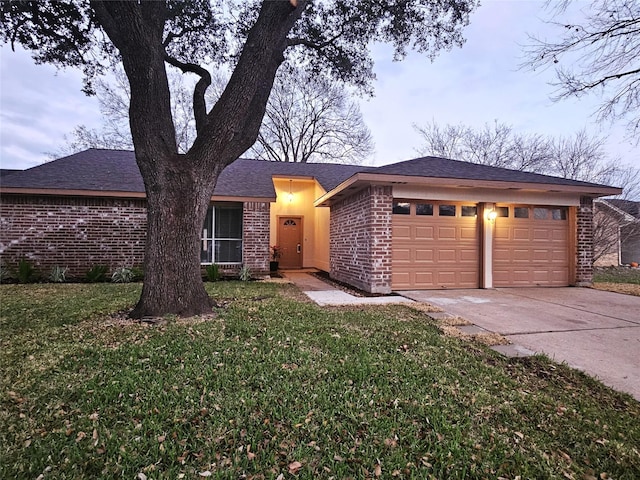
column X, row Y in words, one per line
column 492, row 215
column 290, row 196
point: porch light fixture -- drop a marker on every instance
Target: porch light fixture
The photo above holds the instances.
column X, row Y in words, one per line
column 492, row 215
column 290, row 196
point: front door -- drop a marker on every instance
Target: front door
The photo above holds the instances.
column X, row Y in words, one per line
column 290, row 241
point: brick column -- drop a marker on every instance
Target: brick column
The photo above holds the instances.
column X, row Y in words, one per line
column 255, row 238
column 360, row 239
column 584, row 244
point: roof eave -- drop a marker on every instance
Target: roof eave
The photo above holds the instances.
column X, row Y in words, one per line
column 361, row 180
column 116, row 194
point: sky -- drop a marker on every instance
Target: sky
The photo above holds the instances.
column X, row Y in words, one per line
column 476, row 84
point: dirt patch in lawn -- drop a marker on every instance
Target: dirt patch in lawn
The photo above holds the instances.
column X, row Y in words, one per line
column 626, row 288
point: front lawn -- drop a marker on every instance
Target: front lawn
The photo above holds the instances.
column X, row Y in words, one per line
column 617, row 279
column 276, row 387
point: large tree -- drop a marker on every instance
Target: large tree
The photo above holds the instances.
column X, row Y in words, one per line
column 596, row 51
column 255, row 38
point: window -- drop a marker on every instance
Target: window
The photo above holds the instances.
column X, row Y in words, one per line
column 401, row 208
column 521, row 212
column 447, row 210
column 424, row 208
column 540, row 213
column 559, row 213
column 502, row 212
column 469, row 211
column 222, row 234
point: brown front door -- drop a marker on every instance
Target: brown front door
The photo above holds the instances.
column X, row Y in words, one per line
column 290, row 240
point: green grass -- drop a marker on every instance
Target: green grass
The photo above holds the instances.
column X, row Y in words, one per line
column 617, row 275
column 271, row 380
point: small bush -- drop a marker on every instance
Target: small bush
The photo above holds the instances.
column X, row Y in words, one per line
column 26, row 271
column 122, row 275
column 212, row 272
column 245, row 273
column 5, row 273
column 138, row 274
column 97, row 274
column 58, row 274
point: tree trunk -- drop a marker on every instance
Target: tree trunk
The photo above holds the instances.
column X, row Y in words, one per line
column 177, row 205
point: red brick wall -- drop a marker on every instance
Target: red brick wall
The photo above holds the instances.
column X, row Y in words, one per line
column 73, row 232
column 360, row 239
column 256, row 217
column 80, row 232
column 584, row 250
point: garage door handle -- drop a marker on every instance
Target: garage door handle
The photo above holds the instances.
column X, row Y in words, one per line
column 299, row 248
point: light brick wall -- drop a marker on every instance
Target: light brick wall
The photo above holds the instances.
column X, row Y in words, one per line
column 256, row 220
column 584, row 250
column 73, row 232
column 360, row 239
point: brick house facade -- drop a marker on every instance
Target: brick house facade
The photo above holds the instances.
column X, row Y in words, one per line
column 89, row 209
column 80, row 232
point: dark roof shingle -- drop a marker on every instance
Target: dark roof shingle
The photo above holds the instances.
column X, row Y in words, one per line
column 116, row 170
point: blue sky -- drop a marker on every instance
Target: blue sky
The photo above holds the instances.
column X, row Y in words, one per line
column 476, row 84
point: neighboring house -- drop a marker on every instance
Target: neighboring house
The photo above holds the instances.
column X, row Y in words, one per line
column 616, row 232
column 425, row 223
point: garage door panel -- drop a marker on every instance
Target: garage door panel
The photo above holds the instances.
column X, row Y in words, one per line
column 401, row 255
column 424, row 255
column 469, row 255
column 401, row 231
column 444, row 251
column 530, row 252
column 424, row 233
column 447, row 233
column 520, row 234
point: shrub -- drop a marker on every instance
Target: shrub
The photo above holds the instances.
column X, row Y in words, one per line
column 122, row 275
column 5, row 274
column 138, row 274
column 212, row 272
column 26, row 271
column 96, row 274
column 245, row 273
column 58, row 274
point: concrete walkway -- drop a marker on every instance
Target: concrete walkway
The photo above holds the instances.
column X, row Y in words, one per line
column 592, row 330
column 325, row 294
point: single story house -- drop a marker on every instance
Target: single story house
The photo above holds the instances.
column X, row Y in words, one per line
column 426, row 223
column 616, row 232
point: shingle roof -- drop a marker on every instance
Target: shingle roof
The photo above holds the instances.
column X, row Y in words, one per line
column 7, row 171
column 445, row 168
column 628, row 206
column 116, row 170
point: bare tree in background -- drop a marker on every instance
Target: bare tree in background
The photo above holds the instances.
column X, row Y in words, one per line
column 307, row 119
column 495, row 144
column 311, row 119
column 578, row 157
column 598, row 55
column 113, row 97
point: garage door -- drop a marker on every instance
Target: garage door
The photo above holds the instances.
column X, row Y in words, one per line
column 434, row 245
column 531, row 246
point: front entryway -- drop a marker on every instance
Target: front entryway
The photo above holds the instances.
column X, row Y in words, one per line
column 290, row 241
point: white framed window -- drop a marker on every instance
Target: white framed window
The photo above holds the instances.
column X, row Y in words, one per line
column 222, row 234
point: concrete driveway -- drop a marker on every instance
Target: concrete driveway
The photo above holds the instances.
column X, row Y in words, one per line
column 595, row 331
